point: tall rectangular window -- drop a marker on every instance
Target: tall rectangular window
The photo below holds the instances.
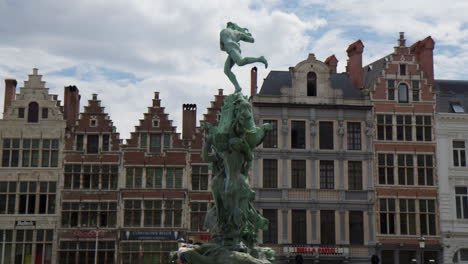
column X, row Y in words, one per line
column 105, row 142
column 11, row 151
column 199, row 178
column 354, row 135
column 356, row 228
column 154, row 177
column 174, row 178
column 326, row 134
column 153, row 213
column 197, row 216
column 387, row 215
column 298, row 174
column 404, row 129
column 270, row 173
column 134, row 178
column 271, row 137
column 327, row 227
column 143, row 140
column 405, row 169
column 423, row 128
column 299, row 227
column 155, row 143
column 21, row 112
column 270, row 236
column 461, row 197
column 172, row 213
column 327, row 174
column 79, row 142
column 407, row 216
column 92, row 145
column 45, row 113
column 132, row 213
column 386, row 168
column 298, row 139
column 415, row 87
column 8, row 199
column 402, row 69
column 459, row 156
column 384, row 127
column 425, row 170
column 167, row 141
column 427, row 217
column 355, row 175
column 391, row 89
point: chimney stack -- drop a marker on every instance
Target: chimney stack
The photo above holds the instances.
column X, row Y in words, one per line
column 424, row 54
column 402, row 40
column 189, row 120
column 354, row 67
column 332, row 62
column 10, row 92
column 253, row 81
column 71, row 104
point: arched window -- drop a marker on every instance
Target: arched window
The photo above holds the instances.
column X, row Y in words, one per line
column 311, row 84
column 33, row 112
column 403, row 93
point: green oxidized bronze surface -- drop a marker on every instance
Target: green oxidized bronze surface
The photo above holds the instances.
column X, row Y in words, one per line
column 233, row 221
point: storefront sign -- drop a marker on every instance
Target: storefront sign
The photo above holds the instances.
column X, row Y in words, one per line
column 25, row 223
column 206, row 237
column 80, row 234
column 151, row 235
column 316, row 250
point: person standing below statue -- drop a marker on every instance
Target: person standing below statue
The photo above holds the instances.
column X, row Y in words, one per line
column 229, row 42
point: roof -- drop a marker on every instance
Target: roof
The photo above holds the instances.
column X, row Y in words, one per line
column 277, row 79
column 450, row 92
column 274, row 81
column 372, row 71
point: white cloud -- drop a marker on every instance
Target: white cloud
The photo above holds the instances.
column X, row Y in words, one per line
column 170, row 46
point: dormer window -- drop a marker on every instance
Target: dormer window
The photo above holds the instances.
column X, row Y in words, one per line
column 155, row 122
column 45, row 113
column 93, row 121
column 21, row 112
column 402, row 69
column 403, row 93
column 311, row 84
column 457, row 108
column 33, row 112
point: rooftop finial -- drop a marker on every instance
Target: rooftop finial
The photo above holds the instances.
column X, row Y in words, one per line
column 35, row 71
column 402, row 40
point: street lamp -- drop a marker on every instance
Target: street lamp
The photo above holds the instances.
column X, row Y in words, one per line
column 422, row 245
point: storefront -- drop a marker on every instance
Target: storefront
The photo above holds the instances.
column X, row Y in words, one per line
column 329, row 255
column 408, row 254
column 147, row 246
column 87, row 247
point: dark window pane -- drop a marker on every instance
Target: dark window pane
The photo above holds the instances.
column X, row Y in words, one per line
column 93, row 144
column 299, row 227
column 33, row 112
column 298, row 134
column 311, row 84
column 327, row 227
column 271, row 137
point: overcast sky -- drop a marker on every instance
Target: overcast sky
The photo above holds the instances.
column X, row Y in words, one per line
column 125, row 50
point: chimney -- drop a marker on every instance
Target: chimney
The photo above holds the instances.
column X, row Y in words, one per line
column 354, row 67
column 332, row 62
column 424, row 54
column 402, row 40
column 253, row 81
column 189, row 118
column 10, row 92
column 71, row 104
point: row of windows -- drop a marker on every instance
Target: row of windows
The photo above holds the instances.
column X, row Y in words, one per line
column 153, row 143
column 146, row 252
column 404, row 92
column 27, row 197
column 299, row 175
column 89, row 214
column 33, row 112
column 30, row 152
column 74, row 252
column 327, row 227
column 153, row 213
column 154, row 178
column 86, row 177
column 399, row 216
column 23, row 246
column 404, row 127
column 326, row 135
column 405, row 169
column 93, row 143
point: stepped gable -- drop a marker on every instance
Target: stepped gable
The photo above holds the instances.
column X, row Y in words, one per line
column 155, row 120
column 33, row 91
column 211, row 116
column 95, row 120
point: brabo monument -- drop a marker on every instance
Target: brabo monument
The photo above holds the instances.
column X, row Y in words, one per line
column 233, row 221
